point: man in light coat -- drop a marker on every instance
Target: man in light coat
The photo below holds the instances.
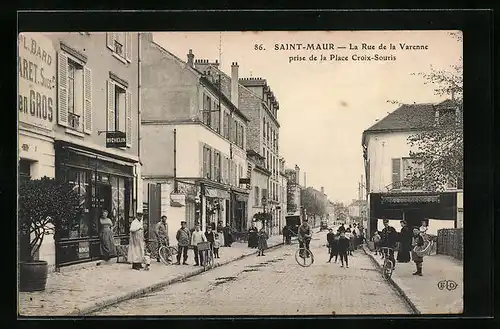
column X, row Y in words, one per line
column 197, row 237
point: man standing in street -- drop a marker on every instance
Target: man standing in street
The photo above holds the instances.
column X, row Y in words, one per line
column 161, row 233
column 183, row 237
column 197, row 237
column 389, row 238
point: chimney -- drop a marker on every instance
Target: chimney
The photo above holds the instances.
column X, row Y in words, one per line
column 234, row 83
column 322, row 190
column 190, row 57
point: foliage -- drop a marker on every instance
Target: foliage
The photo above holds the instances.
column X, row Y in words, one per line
column 45, row 205
column 314, row 206
column 439, row 149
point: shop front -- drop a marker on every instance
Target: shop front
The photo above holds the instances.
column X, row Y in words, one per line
column 217, row 207
column 103, row 182
column 438, row 208
column 239, row 213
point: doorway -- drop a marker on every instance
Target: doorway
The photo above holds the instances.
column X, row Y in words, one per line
column 413, row 217
column 102, row 195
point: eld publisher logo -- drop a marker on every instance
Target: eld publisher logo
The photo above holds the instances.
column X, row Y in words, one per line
column 447, row 284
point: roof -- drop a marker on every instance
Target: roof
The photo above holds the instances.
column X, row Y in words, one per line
column 409, row 117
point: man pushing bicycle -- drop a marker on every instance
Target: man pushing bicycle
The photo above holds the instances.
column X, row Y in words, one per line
column 304, row 235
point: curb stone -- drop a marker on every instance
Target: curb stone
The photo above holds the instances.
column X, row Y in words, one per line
column 393, row 284
column 97, row 306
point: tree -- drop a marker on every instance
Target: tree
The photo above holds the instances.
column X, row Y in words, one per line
column 438, row 158
column 44, row 205
column 313, row 205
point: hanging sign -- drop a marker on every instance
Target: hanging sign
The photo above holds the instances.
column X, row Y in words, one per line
column 116, row 139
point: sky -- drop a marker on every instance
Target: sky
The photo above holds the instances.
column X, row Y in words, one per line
column 325, row 105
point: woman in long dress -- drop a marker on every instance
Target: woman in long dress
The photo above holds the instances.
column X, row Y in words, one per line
column 108, row 249
column 136, row 246
column 405, row 240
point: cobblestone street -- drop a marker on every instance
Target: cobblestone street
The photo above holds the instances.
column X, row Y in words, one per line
column 275, row 285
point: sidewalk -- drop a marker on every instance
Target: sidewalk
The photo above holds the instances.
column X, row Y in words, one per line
column 80, row 292
column 422, row 291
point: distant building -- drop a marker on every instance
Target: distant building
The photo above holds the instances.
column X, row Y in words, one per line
column 387, row 163
column 259, row 178
column 293, row 190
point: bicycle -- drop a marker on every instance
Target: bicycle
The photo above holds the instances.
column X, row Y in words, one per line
column 207, row 259
column 303, row 255
column 167, row 253
column 388, row 266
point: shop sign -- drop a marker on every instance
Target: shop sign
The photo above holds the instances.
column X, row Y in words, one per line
column 116, row 139
column 83, row 250
column 36, row 80
column 177, row 200
column 410, row 199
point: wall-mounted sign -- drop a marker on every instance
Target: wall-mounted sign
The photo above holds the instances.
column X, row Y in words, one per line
column 177, row 200
column 411, row 199
column 83, row 250
column 36, row 80
column 116, row 139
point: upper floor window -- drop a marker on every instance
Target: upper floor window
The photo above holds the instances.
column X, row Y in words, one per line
column 403, row 170
column 120, row 44
column 264, row 127
column 74, row 88
column 119, row 116
column 226, row 124
column 207, row 108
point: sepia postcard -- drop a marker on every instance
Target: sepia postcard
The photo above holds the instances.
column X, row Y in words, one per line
column 269, row 173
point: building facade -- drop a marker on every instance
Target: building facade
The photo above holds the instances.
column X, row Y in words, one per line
column 258, row 102
column 388, row 163
column 282, row 195
column 259, row 181
column 84, row 86
column 293, row 190
column 194, row 142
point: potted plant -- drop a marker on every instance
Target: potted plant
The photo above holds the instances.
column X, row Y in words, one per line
column 44, row 205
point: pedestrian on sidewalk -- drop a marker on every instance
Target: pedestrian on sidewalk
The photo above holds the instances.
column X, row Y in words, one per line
column 183, row 237
column 228, row 237
column 418, row 244
column 287, row 234
column 263, row 236
column 343, row 247
column 197, row 237
column 220, row 231
column 376, row 242
column 136, row 247
column 161, row 234
column 252, row 236
column 216, row 245
column 405, row 241
column 107, row 242
column 341, row 228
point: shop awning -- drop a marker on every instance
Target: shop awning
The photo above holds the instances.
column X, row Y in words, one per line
column 216, row 193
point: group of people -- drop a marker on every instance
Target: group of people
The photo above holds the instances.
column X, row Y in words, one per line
column 138, row 254
column 258, row 239
column 407, row 240
column 340, row 244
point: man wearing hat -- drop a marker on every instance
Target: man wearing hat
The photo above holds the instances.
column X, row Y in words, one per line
column 405, row 240
column 183, row 237
column 389, row 238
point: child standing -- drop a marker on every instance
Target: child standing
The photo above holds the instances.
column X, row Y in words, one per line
column 343, row 247
column 329, row 239
column 262, row 236
column 216, row 245
column 376, row 242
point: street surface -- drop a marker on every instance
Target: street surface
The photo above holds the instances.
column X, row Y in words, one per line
column 274, row 285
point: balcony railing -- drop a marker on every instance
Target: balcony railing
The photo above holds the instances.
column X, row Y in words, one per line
column 74, row 121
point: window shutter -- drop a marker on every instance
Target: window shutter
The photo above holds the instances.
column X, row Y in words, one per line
column 396, row 173
column 87, row 77
column 128, row 121
column 110, row 39
column 212, row 164
column 62, row 90
column 128, row 46
column 111, row 106
column 202, row 159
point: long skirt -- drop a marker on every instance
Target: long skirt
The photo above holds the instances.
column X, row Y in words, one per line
column 262, row 244
column 221, row 238
column 403, row 254
column 108, row 249
column 136, row 247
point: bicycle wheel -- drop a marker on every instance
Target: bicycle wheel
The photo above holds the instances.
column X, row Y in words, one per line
column 304, row 257
column 165, row 255
column 387, row 269
column 173, row 250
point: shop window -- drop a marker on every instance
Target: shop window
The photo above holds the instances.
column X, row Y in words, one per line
column 24, row 170
column 81, row 225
